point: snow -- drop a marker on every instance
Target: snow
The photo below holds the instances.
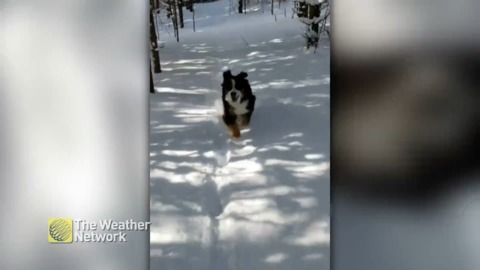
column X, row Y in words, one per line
column 260, row 202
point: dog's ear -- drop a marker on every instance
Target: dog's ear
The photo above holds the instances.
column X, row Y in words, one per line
column 227, row 75
column 243, row 75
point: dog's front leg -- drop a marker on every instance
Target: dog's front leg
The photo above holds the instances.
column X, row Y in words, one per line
column 231, row 122
column 248, row 116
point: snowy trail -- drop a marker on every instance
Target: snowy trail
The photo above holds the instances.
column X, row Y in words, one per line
column 262, row 203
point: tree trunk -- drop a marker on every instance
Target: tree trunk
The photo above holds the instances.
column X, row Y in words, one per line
column 152, row 88
column 313, row 29
column 273, row 1
column 314, row 12
column 175, row 18
column 154, row 42
column 193, row 17
column 180, row 12
column 240, row 6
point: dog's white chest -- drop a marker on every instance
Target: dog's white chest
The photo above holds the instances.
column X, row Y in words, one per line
column 239, row 107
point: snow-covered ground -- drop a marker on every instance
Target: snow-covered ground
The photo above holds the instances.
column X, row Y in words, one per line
column 259, row 203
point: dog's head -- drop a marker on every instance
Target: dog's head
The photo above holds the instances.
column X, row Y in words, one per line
column 235, row 87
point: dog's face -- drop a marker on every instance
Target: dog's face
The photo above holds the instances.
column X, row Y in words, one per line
column 234, row 87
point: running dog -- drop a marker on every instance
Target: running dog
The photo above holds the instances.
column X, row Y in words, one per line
column 238, row 101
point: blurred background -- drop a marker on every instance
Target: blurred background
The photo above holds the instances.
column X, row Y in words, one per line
column 405, row 135
column 73, row 129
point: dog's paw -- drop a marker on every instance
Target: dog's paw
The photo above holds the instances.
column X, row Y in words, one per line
column 236, row 135
column 235, row 131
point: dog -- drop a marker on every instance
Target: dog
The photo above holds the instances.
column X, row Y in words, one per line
column 238, row 101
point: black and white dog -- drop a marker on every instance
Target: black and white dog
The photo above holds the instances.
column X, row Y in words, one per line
column 238, row 101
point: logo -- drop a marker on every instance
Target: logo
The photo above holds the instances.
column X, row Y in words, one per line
column 60, row 230
column 68, row 230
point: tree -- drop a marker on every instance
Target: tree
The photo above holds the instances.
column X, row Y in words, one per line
column 173, row 8
column 189, row 6
column 154, row 48
column 154, row 40
column 180, row 12
column 313, row 13
column 152, row 88
column 240, row 6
